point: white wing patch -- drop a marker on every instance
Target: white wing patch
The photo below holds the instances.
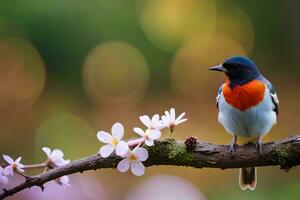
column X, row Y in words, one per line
column 217, row 98
column 275, row 98
column 220, row 92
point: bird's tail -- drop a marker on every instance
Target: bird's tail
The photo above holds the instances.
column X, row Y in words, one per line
column 248, row 178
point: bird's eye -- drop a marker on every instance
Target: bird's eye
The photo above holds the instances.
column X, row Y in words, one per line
column 225, row 65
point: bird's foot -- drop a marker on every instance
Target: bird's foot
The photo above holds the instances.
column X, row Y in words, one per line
column 232, row 148
column 233, row 145
column 259, row 147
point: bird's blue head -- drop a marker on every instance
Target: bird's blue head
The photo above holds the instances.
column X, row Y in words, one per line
column 240, row 70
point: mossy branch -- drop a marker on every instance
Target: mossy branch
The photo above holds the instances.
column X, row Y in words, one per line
column 284, row 152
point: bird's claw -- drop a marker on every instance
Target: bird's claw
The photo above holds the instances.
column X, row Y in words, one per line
column 259, row 147
column 232, row 148
column 233, row 145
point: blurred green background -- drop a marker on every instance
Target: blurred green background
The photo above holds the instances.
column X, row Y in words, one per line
column 71, row 68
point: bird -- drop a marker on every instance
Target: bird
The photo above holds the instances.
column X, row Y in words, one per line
column 248, row 108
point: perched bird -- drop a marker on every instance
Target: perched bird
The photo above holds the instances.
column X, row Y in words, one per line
column 248, row 107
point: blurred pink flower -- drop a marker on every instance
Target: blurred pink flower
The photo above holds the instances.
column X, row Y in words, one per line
column 84, row 187
column 165, row 187
column 3, row 178
column 63, row 181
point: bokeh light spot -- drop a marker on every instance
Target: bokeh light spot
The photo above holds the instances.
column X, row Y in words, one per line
column 22, row 74
column 115, row 72
column 83, row 187
column 190, row 76
column 68, row 132
column 168, row 24
column 235, row 23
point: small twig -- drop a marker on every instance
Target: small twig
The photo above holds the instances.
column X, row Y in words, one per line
column 22, row 174
column 41, row 165
column 135, row 142
column 171, row 131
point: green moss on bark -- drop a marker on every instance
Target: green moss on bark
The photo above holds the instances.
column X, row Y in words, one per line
column 172, row 149
column 283, row 158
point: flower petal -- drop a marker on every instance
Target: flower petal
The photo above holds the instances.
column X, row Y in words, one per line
column 156, row 123
column 56, row 155
column 20, row 165
column 20, row 169
column 47, row 151
column 135, row 142
column 139, row 131
column 8, row 159
column 172, row 114
column 146, row 120
column 117, row 131
column 167, row 114
column 149, row 142
column 165, row 121
column 180, row 121
column 154, row 134
column 155, row 118
column 64, row 181
column 18, row 160
column 8, row 171
column 137, row 168
column 160, row 125
column 141, row 153
column 61, row 162
column 104, row 137
column 180, row 116
column 122, row 148
column 123, row 165
column 106, row 150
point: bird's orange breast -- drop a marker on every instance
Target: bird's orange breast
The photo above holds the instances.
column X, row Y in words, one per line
column 245, row 96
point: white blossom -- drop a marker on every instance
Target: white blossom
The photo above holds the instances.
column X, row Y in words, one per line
column 113, row 141
column 153, row 123
column 3, row 178
column 149, row 135
column 63, row 181
column 14, row 165
column 55, row 157
column 133, row 160
column 170, row 120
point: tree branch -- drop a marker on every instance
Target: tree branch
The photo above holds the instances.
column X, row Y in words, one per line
column 284, row 152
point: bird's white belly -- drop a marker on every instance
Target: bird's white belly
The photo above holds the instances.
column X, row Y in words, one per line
column 254, row 121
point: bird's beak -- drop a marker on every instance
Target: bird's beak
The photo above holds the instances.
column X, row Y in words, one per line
column 218, row 68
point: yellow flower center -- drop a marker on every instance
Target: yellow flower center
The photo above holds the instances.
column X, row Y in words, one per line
column 14, row 166
column 147, row 132
column 114, row 142
column 132, row 157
